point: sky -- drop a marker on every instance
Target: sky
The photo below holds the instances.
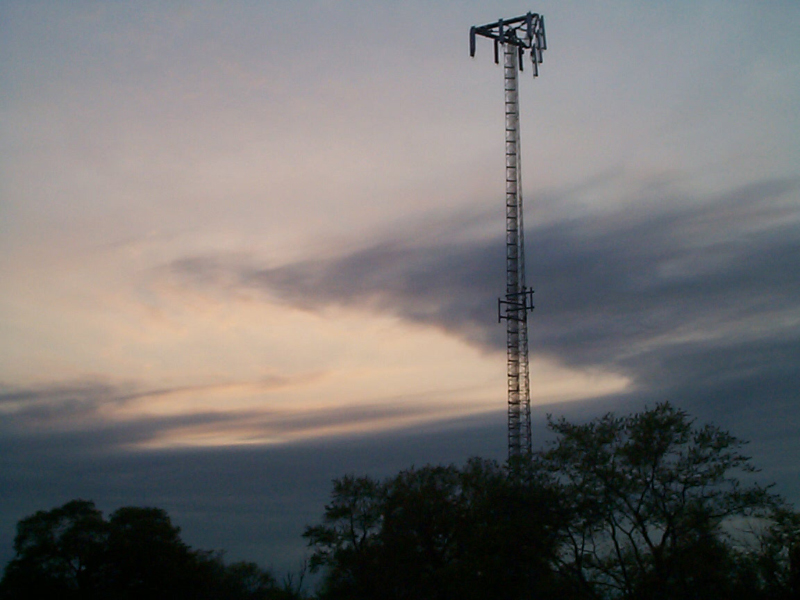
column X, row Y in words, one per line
column 247, row 247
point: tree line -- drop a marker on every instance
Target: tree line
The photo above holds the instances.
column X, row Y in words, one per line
column 645, row 506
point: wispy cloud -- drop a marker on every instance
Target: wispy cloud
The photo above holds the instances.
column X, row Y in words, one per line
column 123, row 407
column 106, row 416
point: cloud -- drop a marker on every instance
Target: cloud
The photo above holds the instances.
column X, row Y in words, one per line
column 57, row 404
column 99, row 416
column 626, row 289
column 693, row 298
column 619, row 284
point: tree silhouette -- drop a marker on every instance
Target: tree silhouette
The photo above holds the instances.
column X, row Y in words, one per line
column 59, row 553
column 146, row 556
column 655, row 503
column 72, row 552
column 436, row 532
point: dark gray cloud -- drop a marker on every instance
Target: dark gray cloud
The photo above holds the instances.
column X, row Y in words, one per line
column 616, row 286
column 629, row 290
column 53, row 410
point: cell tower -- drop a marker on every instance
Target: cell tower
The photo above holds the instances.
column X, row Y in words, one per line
column 515, row 36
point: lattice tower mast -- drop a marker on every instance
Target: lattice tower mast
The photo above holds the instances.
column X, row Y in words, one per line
column 515, row 36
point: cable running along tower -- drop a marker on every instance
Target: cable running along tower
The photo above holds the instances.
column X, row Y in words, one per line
column 515, row 36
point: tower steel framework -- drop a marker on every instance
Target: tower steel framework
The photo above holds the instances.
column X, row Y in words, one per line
column 515, row 36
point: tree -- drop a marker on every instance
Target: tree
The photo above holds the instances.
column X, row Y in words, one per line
column 58, row 553
column 241, row 580
column 346, row 541
column 72, row 552
column 774, row 568
column 647, row 506
column 146, row 556
column 653, row 500
column 436, row 532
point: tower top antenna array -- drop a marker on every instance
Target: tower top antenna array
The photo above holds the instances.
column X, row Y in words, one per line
column 507, row 31
column 515, row 36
